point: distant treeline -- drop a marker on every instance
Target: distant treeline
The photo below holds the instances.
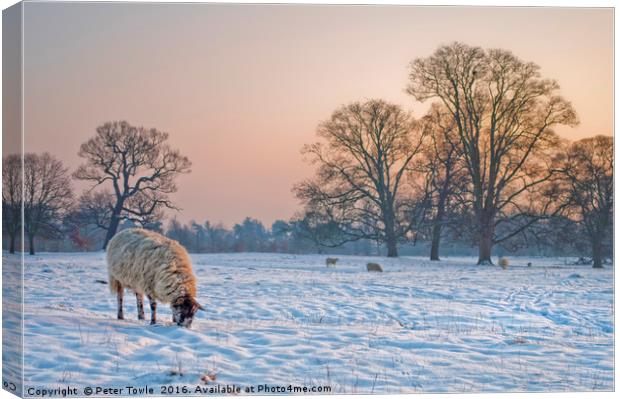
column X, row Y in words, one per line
column 553, row 238
column 251, row 235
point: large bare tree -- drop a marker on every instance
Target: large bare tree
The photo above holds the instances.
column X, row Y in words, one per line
column 47, row 196
column 586, row 170
column 361, row 167
column 137, row 165
column 504, row 113
column 12, row 197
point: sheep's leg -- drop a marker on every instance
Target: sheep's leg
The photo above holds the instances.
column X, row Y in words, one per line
column 140, row 301
column 119, row 300
column 153, row 309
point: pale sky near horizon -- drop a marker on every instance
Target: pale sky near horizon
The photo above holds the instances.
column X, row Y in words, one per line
column 241, row 88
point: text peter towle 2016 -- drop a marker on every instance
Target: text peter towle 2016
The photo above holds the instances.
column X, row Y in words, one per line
column 174, row 390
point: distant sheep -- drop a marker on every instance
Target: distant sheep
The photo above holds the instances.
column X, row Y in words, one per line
column 374, row 267
column 503, row 262
column 331, row 262
column 149, row 263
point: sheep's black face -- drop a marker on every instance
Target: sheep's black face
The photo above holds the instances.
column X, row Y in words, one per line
column 183, row 311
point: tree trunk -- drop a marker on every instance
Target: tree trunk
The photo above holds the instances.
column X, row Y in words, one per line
column 11, row 243
column 597, row 254
column 436, row 238
column 114, row 223
column 437, row 223
column 31, row 243
column 484, row 250
column 485, row 242
column 392, row 248
column 390, row 240
column 436, row 234
column 390, row 234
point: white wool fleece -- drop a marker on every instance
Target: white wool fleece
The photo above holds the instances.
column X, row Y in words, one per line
column 149, row 263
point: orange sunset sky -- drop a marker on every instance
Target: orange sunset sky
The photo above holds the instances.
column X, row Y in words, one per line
column 240, row 88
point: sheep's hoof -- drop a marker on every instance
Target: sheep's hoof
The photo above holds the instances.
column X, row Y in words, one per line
column 153, row 322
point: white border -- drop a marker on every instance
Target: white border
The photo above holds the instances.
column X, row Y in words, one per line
column 510, row 3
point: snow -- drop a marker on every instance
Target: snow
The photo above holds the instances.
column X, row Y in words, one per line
column 276, row 319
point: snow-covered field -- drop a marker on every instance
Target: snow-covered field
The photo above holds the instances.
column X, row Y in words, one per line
column 277, row 319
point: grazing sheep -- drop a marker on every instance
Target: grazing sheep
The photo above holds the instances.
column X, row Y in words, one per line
column 149, row 263
column 503, row 262
column 331, row 262
column 374, row 267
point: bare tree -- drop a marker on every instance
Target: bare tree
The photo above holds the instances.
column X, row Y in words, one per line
column 504, row 114
column 47, row 196
column 586, row 169
column 137, row 165
column 12, row 197
column 93, row 211
column 359, row 185
column 444, row 170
